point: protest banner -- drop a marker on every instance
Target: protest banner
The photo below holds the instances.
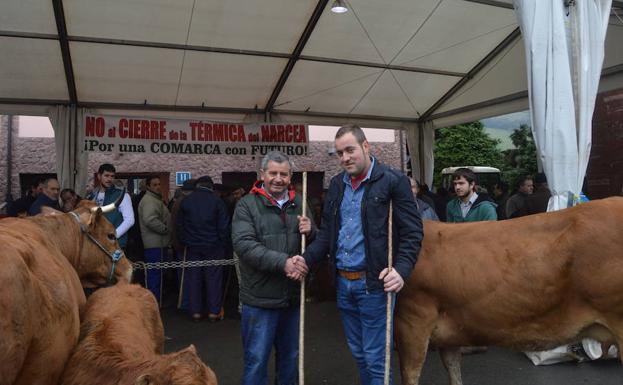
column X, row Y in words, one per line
column 119, row 134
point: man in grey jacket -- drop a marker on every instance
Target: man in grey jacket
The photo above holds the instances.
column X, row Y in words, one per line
column 266, row 233
column 154, row 217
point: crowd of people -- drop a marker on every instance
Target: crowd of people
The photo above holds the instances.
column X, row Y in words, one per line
column 264, row 227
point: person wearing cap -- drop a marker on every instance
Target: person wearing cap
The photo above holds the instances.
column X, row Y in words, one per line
column 267, row 228
column 202, row 227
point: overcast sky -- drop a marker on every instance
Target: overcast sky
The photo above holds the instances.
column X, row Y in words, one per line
column 508, row 122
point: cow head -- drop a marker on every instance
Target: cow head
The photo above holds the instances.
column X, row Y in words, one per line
column 180, row 368
column 101, row 261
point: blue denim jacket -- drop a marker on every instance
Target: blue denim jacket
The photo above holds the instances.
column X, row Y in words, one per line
column 384, row 185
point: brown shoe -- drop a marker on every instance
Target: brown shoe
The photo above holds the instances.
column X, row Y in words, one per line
column 216, row 317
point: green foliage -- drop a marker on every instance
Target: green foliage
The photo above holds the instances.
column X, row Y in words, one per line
column 465, row 145
column 521, row 160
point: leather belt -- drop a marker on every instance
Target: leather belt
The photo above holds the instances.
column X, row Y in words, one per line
column 352, row 275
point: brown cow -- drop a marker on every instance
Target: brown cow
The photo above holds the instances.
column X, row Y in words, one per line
column 529, row 284
column 121, row 341
column 43, row 260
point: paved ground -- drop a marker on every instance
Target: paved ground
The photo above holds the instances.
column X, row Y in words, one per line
column 328, row 361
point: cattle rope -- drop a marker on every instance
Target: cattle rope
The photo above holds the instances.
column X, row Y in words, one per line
column 179, row 264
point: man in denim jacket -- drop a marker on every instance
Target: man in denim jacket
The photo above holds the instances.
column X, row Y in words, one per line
column 354, row 233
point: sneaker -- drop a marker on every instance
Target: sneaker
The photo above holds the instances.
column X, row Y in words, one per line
column 196, row 317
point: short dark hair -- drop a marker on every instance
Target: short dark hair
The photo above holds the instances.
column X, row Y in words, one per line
column 502, row 186
column 523, row 179
column 106, row 167
column 540, row 178
column 353, row 129
column 466, row 173
column 47, row 180
column 68, row 190
column 150, row 178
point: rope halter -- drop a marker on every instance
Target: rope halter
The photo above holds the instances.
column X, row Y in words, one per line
column 115, row 256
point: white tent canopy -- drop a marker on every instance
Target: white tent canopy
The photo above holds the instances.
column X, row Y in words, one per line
column 398, row 64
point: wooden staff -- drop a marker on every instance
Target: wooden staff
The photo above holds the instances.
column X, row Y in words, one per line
column 161, row 274
column 388, row 314
column 302, row 299
column 181, row 291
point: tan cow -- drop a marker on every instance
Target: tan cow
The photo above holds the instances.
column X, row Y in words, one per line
column 43, row 261
column 121, row 340
column 529, row 284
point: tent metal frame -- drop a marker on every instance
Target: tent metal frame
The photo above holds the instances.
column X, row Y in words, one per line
column 64, row 39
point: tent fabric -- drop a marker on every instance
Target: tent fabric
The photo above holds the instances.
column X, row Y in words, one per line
column 385, row 65
column 564, row 56
column 71, row 160
column 390, row 62
column 420, row 139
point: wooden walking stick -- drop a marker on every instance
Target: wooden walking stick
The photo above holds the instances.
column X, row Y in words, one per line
column 181, row 291
column 302, row 299
column 388, row 314
column 161, row 280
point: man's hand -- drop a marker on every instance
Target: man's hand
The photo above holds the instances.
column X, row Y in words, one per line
column 296, row 268
column 304, row 224
column 392, row 281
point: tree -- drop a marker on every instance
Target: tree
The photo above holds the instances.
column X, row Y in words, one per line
column 521, row 160
column 465, row 145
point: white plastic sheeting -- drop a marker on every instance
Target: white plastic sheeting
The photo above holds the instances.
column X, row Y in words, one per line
column 564, row 56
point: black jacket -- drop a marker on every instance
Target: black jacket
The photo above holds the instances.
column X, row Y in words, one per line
column 202, row 220
column 384, row 185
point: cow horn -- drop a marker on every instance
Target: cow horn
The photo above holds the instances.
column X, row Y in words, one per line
column 110, row 207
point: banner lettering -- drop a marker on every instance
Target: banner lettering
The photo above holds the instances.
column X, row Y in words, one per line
column 191, row 137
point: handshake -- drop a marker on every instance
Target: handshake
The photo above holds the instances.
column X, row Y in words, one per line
column 296, row 268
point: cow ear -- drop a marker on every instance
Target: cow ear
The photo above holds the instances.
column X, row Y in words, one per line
column 191, row 348
column 144, row 379
column 93, row 217
column 48, row 211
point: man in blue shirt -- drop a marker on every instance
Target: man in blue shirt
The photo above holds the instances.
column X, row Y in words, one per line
column 354, row 233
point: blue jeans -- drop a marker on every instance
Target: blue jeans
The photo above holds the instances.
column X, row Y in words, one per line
column 153, row 276
column 261, row 330
column 363, row 315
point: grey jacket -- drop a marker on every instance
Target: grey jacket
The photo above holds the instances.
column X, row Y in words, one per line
column 154, row 219
column 264, row 236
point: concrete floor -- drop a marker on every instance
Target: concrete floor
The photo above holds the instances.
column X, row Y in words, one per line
column 328, row 360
